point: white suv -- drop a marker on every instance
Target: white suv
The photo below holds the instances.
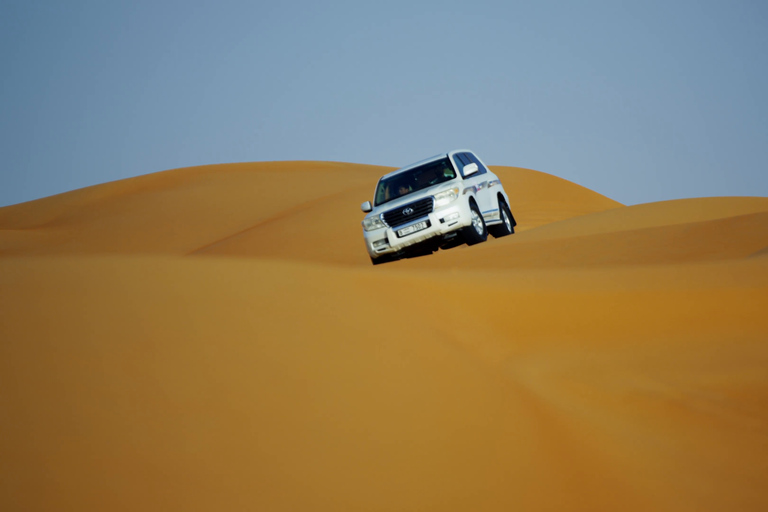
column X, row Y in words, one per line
column 440, row 202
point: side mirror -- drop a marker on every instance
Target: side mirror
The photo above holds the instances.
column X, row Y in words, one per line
column 470, row 169
column 366, row 206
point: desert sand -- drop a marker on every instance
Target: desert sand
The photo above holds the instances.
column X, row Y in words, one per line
column 215, row 338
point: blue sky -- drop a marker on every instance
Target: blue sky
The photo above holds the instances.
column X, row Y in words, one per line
column 640, row 101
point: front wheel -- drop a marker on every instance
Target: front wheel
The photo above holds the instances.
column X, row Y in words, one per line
column 476, row 232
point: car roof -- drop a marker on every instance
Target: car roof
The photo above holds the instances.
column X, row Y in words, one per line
column 426, row 161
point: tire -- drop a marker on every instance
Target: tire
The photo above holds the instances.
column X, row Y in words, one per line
column 476, row 232
column 507, row 226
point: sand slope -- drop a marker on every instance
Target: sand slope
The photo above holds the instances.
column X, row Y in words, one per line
column 216, row 338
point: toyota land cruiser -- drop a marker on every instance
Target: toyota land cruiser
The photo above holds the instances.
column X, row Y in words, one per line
column 440, row 202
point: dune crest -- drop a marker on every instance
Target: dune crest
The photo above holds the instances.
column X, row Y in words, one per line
column 216, row 338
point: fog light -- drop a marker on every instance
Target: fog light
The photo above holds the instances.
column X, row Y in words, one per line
column 451, row 217
column 379, row 243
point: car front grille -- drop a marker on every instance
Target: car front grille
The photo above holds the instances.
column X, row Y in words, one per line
column 408, row 212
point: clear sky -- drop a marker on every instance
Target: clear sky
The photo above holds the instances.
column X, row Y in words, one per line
column 639, row 100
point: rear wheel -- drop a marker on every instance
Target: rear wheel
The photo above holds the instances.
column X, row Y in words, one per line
column 476, row 232
column 507, row 226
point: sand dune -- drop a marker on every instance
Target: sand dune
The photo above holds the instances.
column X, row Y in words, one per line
column 245, row 210
column 216, row 338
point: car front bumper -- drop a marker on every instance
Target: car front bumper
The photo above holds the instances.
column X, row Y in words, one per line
column 446, row 220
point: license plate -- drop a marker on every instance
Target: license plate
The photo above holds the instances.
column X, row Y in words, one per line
column 413, row 228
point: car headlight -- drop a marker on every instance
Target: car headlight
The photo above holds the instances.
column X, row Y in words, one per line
column 371, row 223
column 446, row 197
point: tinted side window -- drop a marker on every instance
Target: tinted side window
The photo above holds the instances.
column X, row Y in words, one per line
column 481, row 167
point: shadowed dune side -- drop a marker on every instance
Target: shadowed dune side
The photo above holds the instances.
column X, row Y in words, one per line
column 762, row 252
column 321, row 230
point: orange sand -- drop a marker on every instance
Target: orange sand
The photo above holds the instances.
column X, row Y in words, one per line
column 215, row 338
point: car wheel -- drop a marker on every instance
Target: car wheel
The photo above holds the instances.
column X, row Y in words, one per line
column 476, row 232
column 507, row 226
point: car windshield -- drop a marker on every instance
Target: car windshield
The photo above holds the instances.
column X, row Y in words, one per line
column 410, row 181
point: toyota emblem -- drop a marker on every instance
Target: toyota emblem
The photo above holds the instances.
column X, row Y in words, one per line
column 408, row 211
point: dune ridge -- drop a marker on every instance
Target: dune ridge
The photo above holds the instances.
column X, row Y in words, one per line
column 215, row 337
